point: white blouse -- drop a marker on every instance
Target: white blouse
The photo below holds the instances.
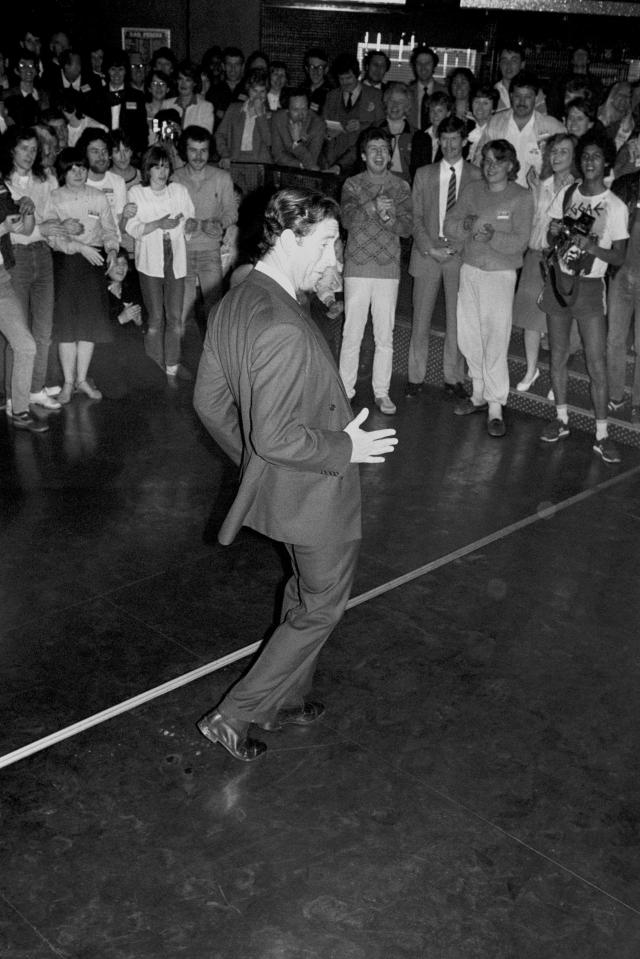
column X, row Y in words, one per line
column 171, row 201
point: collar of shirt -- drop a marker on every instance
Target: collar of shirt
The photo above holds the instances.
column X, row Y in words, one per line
column 277, row 276
column 457, row 166
column 116, row 89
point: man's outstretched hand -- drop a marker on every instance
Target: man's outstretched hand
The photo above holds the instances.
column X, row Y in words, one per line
column 369, row 446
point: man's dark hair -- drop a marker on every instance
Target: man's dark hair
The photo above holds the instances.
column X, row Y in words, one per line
column 511, row 46
column 90, row 135
column 345, row 63
column 452, row 125
column 67, row 56
column 525, row 79
column 374, row 133
column 376, row 53
column 298, row 210
column 197, row 134
column 315, row 53
column 503, row 150
column 232, row 52
column 117, row 58
column 415, row 53
column 440, row 96
column 598, row 138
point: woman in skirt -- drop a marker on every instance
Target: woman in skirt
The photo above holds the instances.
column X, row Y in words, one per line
column 81, row 308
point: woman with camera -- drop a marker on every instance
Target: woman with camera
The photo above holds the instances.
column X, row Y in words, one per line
column 527, row 315
column 588, row 231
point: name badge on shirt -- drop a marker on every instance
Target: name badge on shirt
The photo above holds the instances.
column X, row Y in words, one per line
column 93, row 215
column 503, row 215
column 130, row 105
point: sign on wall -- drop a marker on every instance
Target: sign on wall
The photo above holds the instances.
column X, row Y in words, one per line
column 145, row 40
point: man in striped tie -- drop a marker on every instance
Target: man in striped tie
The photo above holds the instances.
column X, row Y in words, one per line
column 434, row 260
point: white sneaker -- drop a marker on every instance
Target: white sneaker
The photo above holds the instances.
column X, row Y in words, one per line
column 385, row 405
column 42, row 398
column 52, row 390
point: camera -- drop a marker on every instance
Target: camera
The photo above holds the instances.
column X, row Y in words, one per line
column 565, row 242
column 164, row 131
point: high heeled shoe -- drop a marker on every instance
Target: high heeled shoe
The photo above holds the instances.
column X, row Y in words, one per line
column 88, row 390
column 525, row 384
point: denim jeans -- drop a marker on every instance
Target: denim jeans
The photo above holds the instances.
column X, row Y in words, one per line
column 163, row 298
column 32, row 279
column 13, row 326
column 204, row 266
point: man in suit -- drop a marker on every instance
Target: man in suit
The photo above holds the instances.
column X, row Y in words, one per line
column 297, row 133
column 118, row 106
column 269, row 392
column 424, row 61
column 434, row 260
column 353, row 106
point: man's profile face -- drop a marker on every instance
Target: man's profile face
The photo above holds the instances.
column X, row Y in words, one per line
column 424, row 67
column 523, row 101
column 314, row 253
column 73, row 68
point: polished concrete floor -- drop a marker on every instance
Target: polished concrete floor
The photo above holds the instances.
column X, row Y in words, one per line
column 472, row 791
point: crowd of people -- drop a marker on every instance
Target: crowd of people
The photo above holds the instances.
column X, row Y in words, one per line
column 518, row 199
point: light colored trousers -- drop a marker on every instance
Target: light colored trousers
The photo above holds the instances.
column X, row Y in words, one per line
column 360, row 294
column 485, row 306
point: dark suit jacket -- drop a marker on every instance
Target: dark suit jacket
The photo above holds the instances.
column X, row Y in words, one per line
column 307, row 153
column 269, row 393
column 228, row 136
column 368, row 110
column 426, row 211
column 413, row 113
column 133, row 115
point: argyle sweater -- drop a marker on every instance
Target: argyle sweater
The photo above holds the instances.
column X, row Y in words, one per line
column 373, row 245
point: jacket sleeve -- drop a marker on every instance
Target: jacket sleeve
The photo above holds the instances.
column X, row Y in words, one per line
column 420, row 197
column 454, row 220
column 517, row 239
column 214, row 402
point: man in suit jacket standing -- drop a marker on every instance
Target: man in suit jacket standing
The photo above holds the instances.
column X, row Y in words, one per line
column 353, row 106
column 269, row 392
column 434, row 260
column 118, row 106
column 424, row 61
column 297, row 133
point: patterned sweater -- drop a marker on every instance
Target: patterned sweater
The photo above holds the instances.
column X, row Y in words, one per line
column 373, row 245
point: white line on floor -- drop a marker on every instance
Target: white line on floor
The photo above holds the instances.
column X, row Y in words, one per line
column 67, row 732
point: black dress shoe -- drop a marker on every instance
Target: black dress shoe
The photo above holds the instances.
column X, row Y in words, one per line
column 496, row 427
column 25, row 421
column 455, row 391
column 294, row 716
column 413, row 389
column 232, row 734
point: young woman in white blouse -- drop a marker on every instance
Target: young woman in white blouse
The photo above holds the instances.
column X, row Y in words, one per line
column 157, row 215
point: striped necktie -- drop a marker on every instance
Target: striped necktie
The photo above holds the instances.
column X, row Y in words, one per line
column 451, row 192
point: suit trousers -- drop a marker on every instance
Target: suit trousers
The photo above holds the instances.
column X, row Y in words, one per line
column 360, row 293
column 426, row 287
column 15, row 329
column 485, row 305
column 314, row 601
